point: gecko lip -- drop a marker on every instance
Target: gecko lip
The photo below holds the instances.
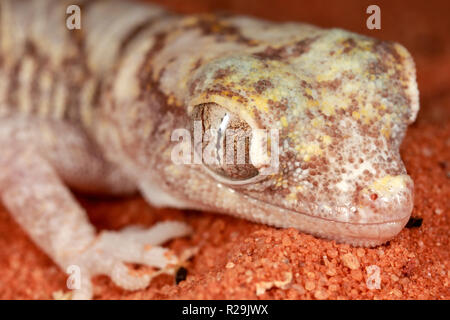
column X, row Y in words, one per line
column 400, row 218
column 356, row 233
column 373, row 205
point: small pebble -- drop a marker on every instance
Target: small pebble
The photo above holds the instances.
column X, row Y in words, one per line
column 397, row 293
column 310, row 285
column 350, row 261
column 180, row 275
column 321, row 294
column 357, row 275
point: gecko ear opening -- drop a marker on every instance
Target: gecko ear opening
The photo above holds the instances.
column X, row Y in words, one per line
column 225, row 143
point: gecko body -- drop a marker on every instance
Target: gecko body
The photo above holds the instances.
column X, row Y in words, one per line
column 96, row 109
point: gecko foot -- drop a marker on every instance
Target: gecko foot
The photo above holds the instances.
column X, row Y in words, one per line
column 112, row 249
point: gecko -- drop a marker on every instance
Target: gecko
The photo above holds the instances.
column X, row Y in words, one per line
column 95, row 110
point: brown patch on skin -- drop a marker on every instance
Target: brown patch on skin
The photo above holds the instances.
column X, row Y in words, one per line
column 308, row 96
column 349, row 44
column 197, row 64
column 31, row 51
column 162, row 71
column 222, row 73
column 270, row 53
column 305, row 84
column 213, row 25
column 79, row 73
column 193, row 86
column 263, row 85
column 331, row 85
column 76, row 64
column 220, row 89
column 14, row 84
column 377, row 68
column 303, row 46
column 286, row 51
column 386, row 49
column 195, row 83
column 280, row 105
column 154, row 97
column 72, row 101
column 348, row 75
column 135, row 32
column 389, row 61
column 146, row 71
column 95, row 102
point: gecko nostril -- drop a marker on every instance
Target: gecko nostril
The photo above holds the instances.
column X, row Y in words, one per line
column 388, row 198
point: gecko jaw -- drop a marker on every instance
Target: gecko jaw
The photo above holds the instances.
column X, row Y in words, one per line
column 357, row 234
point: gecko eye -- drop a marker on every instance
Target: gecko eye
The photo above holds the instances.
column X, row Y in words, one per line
column 225, row 142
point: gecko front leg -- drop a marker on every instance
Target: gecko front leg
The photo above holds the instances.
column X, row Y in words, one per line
column 39, row 201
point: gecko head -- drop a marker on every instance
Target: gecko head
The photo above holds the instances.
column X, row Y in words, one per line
column 321, row 132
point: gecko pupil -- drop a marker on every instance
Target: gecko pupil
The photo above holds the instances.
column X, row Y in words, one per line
column 225, row 143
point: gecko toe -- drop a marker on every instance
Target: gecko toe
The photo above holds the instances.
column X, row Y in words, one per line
column 121, row 276
column 113, row 249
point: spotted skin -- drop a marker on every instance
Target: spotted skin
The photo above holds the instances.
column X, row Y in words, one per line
column 95, row 109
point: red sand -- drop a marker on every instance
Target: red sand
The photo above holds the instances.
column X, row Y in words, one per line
column 237, row 258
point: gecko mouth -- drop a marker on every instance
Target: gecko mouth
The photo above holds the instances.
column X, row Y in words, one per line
column 366, row 234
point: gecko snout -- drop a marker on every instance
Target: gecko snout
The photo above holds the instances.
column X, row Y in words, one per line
column 387, row 199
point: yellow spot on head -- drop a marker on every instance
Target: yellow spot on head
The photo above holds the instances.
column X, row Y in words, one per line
column 317, row 122
column 327, row 109
column 388, row 184
column 327, row 139
column 386, row 132
column 291, row 196
column 309, row 150
column 284, row 122
column 312, row 103
column 171, row 99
